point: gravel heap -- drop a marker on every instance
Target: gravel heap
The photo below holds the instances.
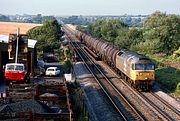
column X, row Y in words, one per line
column 25, row 106
column 5, row 101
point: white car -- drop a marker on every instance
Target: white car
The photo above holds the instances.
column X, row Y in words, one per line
column 52, row 71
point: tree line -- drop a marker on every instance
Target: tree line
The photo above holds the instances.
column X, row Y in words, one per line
column 160, row 33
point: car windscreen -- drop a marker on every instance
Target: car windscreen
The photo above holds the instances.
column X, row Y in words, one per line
column 10, row 67
column 19, row 68
column 15, row 67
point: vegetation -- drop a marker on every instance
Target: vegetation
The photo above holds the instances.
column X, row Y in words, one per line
column 105, row 29
column 77, row 97
column 167, row 73
column 130, row 20
column 169, row 77
column 48, row 36
column 163, row 30
column 4, row 18
column 67, row 66
column 160, row 34
column 40, row 19
column 75, row 20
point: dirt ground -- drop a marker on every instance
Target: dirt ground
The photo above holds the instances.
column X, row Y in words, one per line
column 173, row 64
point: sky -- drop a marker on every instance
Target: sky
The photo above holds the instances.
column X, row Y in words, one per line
column 88, row 7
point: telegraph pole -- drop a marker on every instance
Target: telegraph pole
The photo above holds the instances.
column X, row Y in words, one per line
column 17, row 43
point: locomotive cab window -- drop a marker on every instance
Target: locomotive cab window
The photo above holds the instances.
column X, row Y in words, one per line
column 150, row 67
column 139, row 66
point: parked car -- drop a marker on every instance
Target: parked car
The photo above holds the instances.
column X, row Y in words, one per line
column 52, row 71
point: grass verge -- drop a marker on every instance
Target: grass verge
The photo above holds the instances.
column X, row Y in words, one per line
column 167, row 76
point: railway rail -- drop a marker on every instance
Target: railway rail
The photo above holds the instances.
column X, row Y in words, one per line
column 166, row 109
column 167, row 104
column 109, row 89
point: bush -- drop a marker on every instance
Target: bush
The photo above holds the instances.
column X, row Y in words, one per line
column 169, row 78
column 67, row 67
column 147, row 47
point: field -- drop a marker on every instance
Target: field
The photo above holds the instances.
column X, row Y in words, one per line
column 73, row 27
column 11, row 27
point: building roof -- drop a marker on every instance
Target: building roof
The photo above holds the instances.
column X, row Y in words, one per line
column 5, row 38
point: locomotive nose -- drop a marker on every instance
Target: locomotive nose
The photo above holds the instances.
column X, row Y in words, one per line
column 145, row 76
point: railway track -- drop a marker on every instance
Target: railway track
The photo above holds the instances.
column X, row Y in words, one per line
column 162, row 108
column 167, row 104
column 118, row 100
column 166, row 109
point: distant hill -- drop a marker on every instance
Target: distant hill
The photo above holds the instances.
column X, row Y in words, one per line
column 11, row 27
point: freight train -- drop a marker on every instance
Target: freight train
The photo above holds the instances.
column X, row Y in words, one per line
column 135, row 68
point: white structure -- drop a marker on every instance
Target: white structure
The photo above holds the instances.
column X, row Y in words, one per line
column 5, row 39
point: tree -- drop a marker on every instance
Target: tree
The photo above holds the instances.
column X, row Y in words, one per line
column 47, row 35
column 165, row 29
column 106, row 29
column 66, row 53
column 128, row 37
column 67, row 66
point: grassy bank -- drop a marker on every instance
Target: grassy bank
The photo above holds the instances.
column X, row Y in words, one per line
column 168, row 75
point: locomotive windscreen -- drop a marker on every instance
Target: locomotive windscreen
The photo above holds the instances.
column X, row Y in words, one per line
column 140, row 66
